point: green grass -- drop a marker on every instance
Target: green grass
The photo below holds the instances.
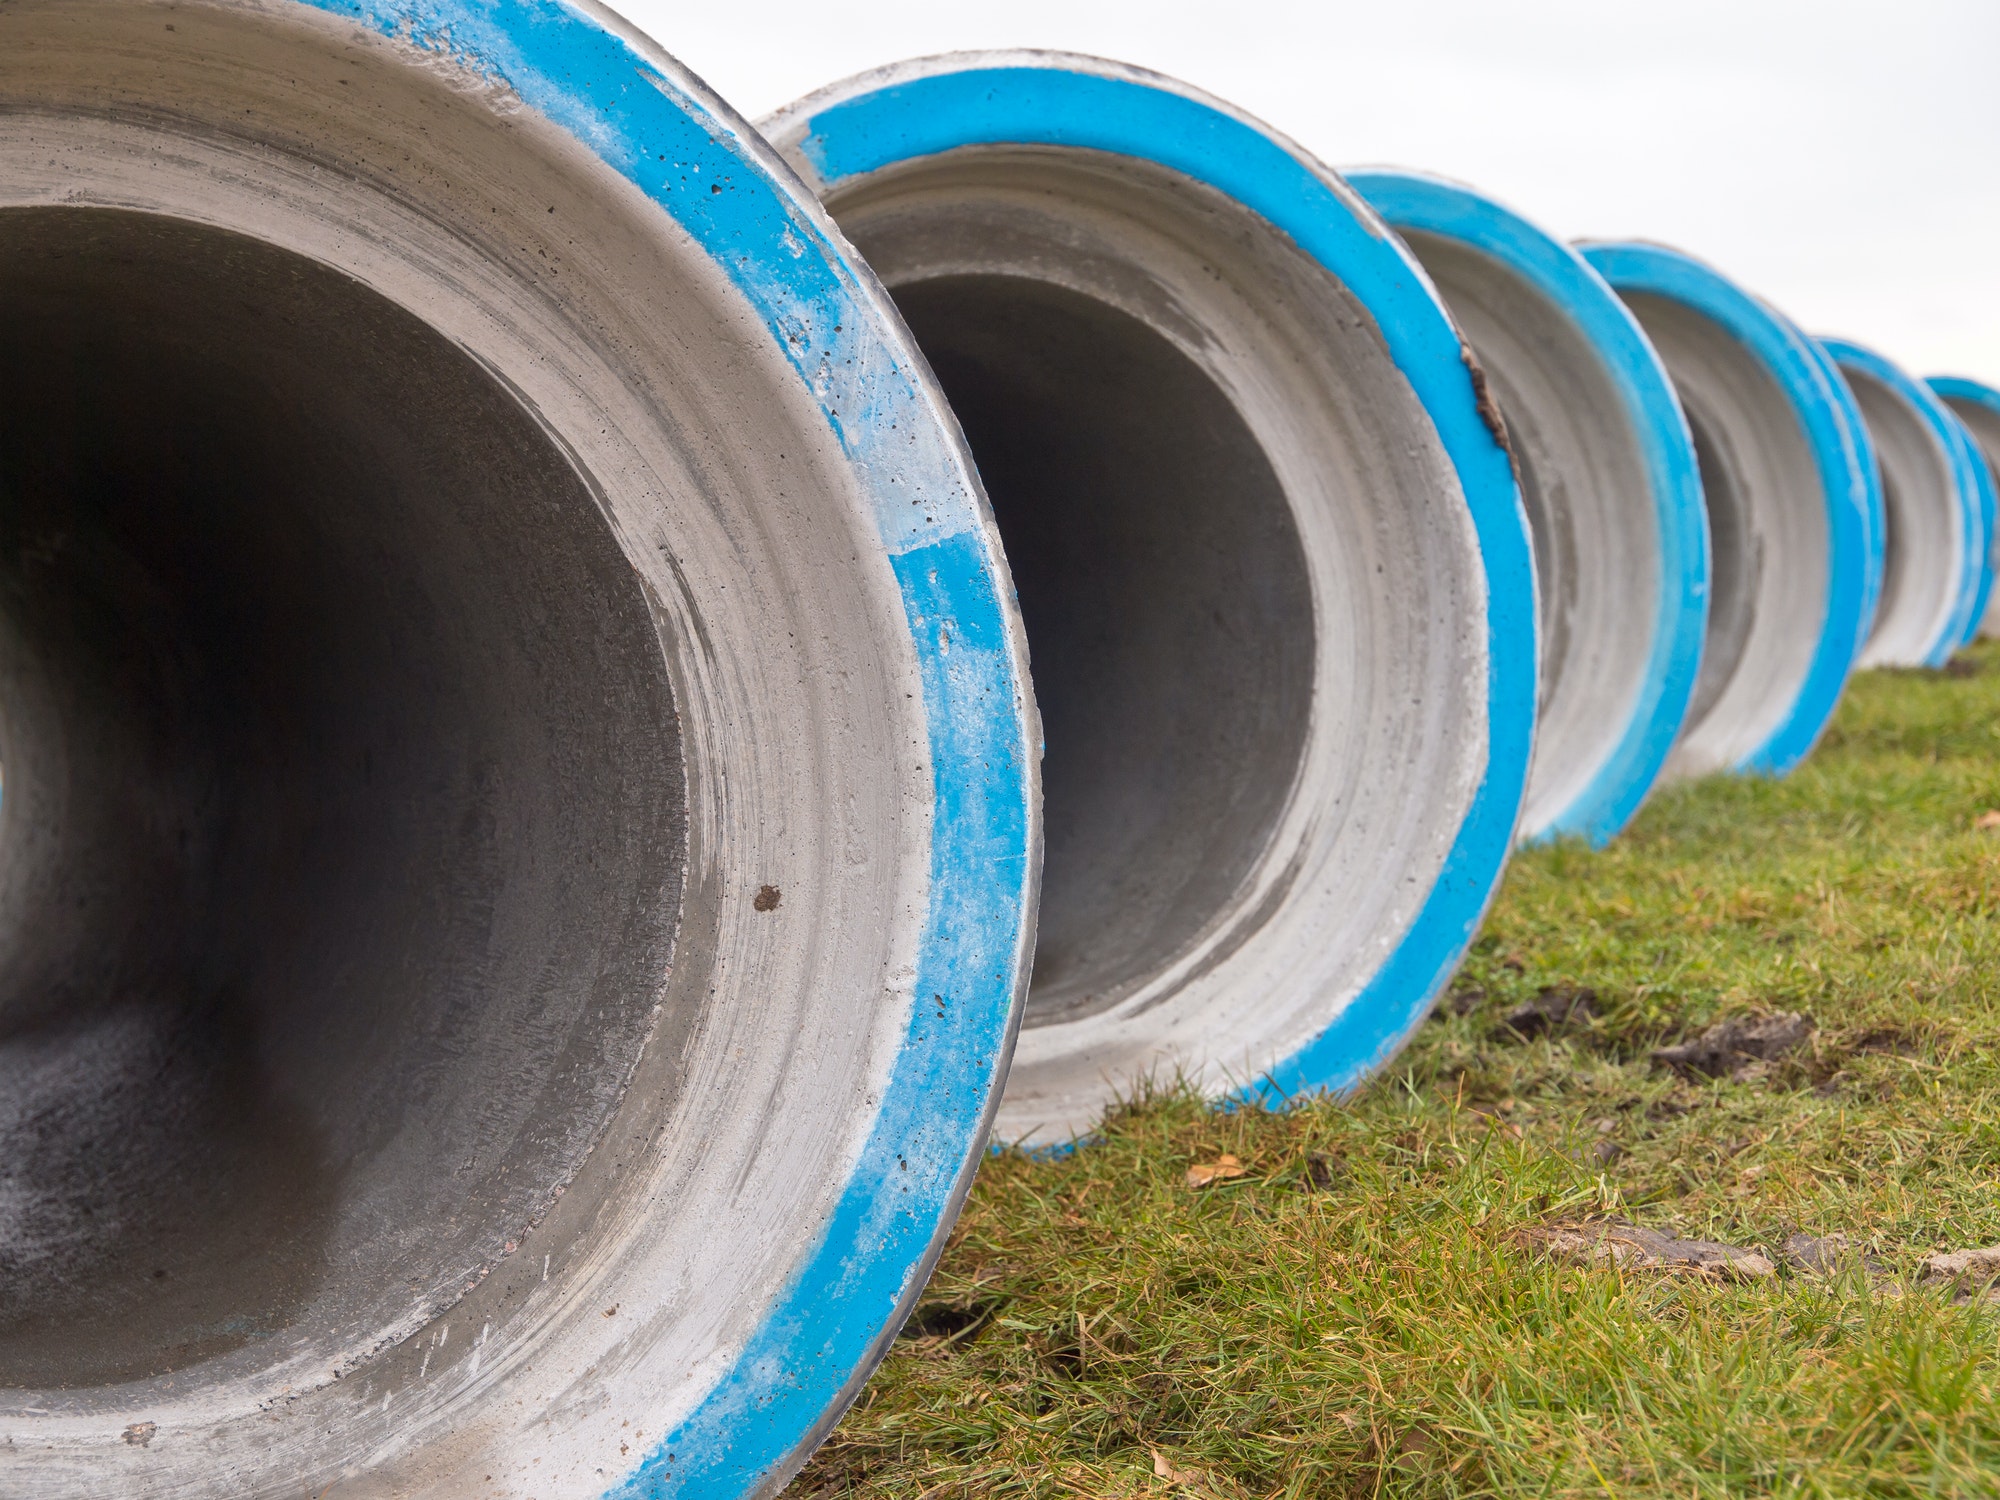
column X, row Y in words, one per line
column 1356, row 1315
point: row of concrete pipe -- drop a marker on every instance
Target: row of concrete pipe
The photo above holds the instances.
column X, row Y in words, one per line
column 526, row 831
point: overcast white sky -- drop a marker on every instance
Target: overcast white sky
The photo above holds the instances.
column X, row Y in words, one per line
column 1842, row 158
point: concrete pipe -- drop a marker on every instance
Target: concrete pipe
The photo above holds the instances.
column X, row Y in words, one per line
column 1270, row 551
column 520, row 818
column 1937, row 538
column 1854, row 433
column 1792, row 539
column 1613, row 495
column 1977, row 407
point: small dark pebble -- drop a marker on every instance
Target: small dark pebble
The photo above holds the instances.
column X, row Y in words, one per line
column 1728, row 1045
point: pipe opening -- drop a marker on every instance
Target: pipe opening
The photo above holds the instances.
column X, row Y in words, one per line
column 1169, row 614
column 344, row 813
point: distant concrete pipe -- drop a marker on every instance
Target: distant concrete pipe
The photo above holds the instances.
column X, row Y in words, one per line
column 520, row 810
column 1977, row 406
column 1271, row 556
column 1794, row 542
column 1935, row 550
column 1613, row 495
column 1861, row 448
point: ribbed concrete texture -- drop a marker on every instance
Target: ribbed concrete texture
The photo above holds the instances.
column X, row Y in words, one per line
column 520, row 816
column 1977, row 406
column 1935, row 547
column 1793, row 549
column 1270, row 553
column 1613, row 494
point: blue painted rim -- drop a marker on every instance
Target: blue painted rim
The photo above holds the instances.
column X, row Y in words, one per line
column 1854, row 552
column 722, row 185
column 1854, row 428
column 943, row 104
column 1431, row 205
column 1974, row 500
column 1957, row 388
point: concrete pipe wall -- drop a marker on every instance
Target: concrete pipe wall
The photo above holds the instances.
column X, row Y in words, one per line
column 1936, row 567
column 520, row 820
column 1861, row 447
column 1986, row 503
column 1977, row 408
column 1270, row 550
column 1793, row 543
column 1613, row 495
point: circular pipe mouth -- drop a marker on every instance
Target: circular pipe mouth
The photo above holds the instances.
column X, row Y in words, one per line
column 1791, row 550
column 1614, row 500
column 519, row 837
column 286, row 777
column 1266, row 546
column 1935, row 540
column 1977, row 407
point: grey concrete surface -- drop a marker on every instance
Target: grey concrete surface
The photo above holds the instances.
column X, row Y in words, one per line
column 1984, row 425
column 1920, row 560
column 433, row 611
column 1590, row 509
column 1254, row 611
column 1768, row 537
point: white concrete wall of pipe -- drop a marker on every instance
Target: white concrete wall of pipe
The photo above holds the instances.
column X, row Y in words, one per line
column 562, row 857
column 1794, row 536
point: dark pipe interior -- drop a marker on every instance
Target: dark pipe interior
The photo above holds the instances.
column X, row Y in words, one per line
column 1734, row 561
column 343, row 825
column 1168, row 609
